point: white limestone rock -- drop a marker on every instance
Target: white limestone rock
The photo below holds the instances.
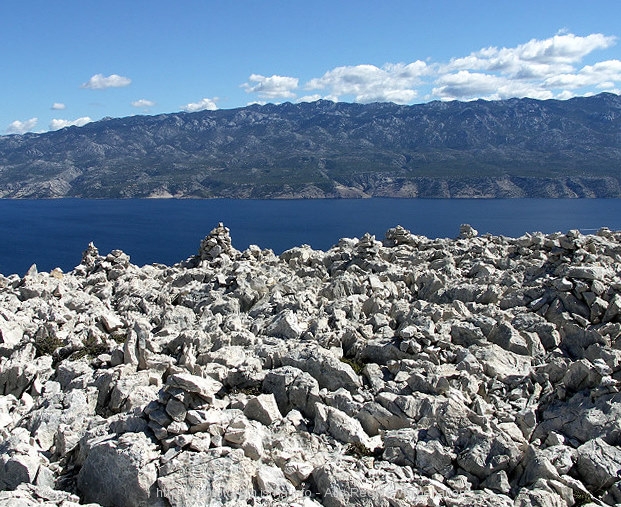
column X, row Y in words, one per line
column 272, row 482
column 263, row 408
column 338, row 424
column 206, row 478
column 203, row 386
column 598, row 464
column 120, row 471
column 490, row 371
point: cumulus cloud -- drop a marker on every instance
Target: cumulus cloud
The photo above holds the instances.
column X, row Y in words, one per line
column 602, row 75
column 368, row 83
column 272, row 87
column 465, row 85
column 202, row 105
column 57, row 124
column 310, row 98
column 143, row 103
column 100, row 82
column 539, row 68
column 536, row 58
column 21, row 127
column 58, row 106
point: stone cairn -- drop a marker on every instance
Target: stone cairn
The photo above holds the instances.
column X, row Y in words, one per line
column 217, row 244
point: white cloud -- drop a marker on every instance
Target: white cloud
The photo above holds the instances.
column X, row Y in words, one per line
column 57, row 124
column 143, row 103
column 58, row 106
column 368, row 83
column 21, row 127
column 534, row 58
column 601, row 75
column 541, row 69
column 538, row 69
column 310, row 98
column 465, row 85
column 100, row 82
column 202, row 105
column 273, row 87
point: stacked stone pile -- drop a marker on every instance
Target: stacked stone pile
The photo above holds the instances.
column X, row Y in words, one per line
column 477, row 371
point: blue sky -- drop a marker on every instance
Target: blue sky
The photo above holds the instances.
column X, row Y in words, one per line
column 72, row 61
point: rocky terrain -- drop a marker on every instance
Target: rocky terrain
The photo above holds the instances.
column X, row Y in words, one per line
column 496, row 149
column 476, row 371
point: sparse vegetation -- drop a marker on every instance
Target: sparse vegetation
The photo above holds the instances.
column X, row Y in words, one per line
column 582, row 497
column 92, row 348
column 47, row 344
column 474, row 149
column 250, row 390
column 359, row 450
column 356, row 365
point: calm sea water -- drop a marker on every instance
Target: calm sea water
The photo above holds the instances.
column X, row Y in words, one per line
column 53, row 233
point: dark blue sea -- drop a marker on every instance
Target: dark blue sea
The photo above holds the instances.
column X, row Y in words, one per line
column 53, row 233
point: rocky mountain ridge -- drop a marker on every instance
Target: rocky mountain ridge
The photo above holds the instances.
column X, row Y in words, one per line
column 476, row 371
column 510, row 148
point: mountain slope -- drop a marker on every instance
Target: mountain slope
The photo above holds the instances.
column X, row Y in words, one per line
column 512, row 148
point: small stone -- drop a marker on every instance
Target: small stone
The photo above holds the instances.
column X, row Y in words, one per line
column 200, row 442
column 176, row 427
column 160, row 417
column 176, row 409
column 272, row 481
column 204, row 386
column 466, row 231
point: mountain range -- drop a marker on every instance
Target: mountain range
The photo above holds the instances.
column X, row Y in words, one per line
column 480, row 149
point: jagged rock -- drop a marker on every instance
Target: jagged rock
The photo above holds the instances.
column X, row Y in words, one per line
column 580, row 375
column 271, row 481
column 341, row 489
column 19, row 460
column 246, row 434
column 466, row 231
column 293, row 389
column 374, row 418
column 538, row 498
column 498, row 482
column 10, row 333
column 400, row 446
column 432, row 458
column 588, row 272
column 285, row 325
column 323, row 366
column 203, row 386
column 30, row 495
column 488, row 454
column 19, row 371
column 128, row 463
column 263, row 408
column 598, row 464
column 476, row 371
column 504, row 365
column 339, row 425
column 206, row 478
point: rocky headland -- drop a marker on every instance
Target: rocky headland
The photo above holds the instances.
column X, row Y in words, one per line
column 475, row 371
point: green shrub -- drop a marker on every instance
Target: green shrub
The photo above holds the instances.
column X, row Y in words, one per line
column 357, row 366
column 46, row 345
column 92, row 348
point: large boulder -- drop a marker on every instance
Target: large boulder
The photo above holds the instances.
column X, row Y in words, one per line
column 207, row 478
column 120, row 471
